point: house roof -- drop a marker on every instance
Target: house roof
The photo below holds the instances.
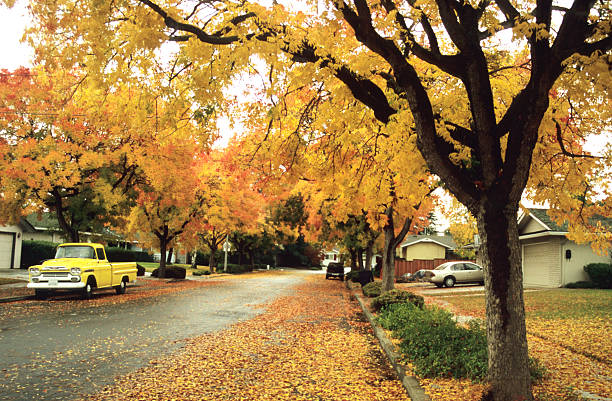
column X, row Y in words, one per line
column 25, row 225
column 445, row 241
column 43, row 221
column 549, row 227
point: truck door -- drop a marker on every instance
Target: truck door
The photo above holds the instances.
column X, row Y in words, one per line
column 103, row 270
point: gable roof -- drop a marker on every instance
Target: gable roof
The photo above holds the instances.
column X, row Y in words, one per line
column 45, row 220
column 446, row 241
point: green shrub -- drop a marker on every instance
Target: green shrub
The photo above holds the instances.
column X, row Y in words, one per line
column 35, row 252
column 237, row 269
column 397, row 296
column 372, row 289
column 600, row 274
column 171, row 272
column 140, row 270
column 199, row 272
column 353, row 275
column 206, row 272
column 581, row 284
column 114, row 254
column 437, row 346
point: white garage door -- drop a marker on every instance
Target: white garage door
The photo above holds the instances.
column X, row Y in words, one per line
column 541, row 265
column 6, row 250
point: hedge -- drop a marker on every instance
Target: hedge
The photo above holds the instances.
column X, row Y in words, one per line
column 126, row 255
column 35, row 252
column 600, row 274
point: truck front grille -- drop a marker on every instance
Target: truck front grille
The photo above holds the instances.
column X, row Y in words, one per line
column 54, row 274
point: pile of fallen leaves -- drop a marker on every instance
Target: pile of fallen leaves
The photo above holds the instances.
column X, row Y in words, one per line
column 311, row 345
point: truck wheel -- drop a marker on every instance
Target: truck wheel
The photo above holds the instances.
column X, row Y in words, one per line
column 41, row 294
column 120, row 288
column 87, row 290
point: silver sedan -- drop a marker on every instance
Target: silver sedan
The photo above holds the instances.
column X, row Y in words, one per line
column 449, row 273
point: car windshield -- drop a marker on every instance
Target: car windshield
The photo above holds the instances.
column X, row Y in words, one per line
column 82, row 252
column 442, row 266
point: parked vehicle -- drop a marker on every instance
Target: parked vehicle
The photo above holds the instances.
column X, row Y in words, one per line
column 80, row 267
column 411, row 277
column 335, row 269
column 449, row 273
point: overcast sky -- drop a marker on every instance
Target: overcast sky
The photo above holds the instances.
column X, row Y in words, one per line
column 12, row 25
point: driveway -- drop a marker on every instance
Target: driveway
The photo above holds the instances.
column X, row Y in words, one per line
column 68, row 351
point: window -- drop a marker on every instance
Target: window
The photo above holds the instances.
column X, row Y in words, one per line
column 471, row 266
column 100, row 253
column 457, row 267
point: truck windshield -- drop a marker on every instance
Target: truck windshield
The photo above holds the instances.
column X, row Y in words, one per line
column 83, row 252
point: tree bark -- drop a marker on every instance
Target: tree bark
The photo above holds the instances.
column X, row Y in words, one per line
column 169, row 259
column 211, row 258
column 506, row 333
column 360, row 258
column 369, row 253
column 194, row 259
column 353, row 253
column 388, row 268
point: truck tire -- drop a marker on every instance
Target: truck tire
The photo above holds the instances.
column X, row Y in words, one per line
column 87, row 290
column 121, row 287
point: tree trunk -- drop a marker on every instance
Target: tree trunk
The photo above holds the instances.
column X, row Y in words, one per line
column 369, row 253
column 194, row 259
column 505, row 308
column 388, row 268
column 360, row 258
column 170, row 252
column 162, row 256
column 353, row 253
column 211, row 258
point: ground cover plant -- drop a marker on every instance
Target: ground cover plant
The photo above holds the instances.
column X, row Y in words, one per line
column 396, row 296
column 568, row 331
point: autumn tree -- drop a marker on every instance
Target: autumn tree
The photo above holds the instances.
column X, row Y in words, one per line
column 474, row 98
column 61, row 155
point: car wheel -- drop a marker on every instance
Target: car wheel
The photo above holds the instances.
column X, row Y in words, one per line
column 41, row 294
column 449, row 281
column 326, row 277
column 121, row 288
column 87, row 291
column 439, row 285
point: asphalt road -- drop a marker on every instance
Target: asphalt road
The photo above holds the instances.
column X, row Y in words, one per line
column 64, row 354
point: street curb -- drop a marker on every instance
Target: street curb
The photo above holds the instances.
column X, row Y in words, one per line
column 410, row 383
column 14, row 299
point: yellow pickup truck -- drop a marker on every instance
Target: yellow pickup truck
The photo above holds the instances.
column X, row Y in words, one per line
column 80, row 267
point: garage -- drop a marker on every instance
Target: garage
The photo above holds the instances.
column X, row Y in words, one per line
column 541, row 267
column 7, row 247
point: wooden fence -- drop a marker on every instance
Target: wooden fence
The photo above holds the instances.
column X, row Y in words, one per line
column 411, row 266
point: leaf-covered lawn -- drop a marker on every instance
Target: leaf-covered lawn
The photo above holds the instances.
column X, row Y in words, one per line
column 568, row 331
column 311, row 345
column 10, row 281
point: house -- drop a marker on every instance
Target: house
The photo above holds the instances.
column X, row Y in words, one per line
column 330, row 256
column 550, row 259
column 426, row 247
column 11, row 238
column 46, row 228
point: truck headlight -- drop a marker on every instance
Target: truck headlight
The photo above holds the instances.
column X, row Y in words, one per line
column 75, row 271
column 35, row 271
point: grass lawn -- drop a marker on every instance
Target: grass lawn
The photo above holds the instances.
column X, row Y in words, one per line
column 11, row 281
column 150, row 266
column 578, row 319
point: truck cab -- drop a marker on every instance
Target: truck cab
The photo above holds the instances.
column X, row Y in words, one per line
column 80, row 267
